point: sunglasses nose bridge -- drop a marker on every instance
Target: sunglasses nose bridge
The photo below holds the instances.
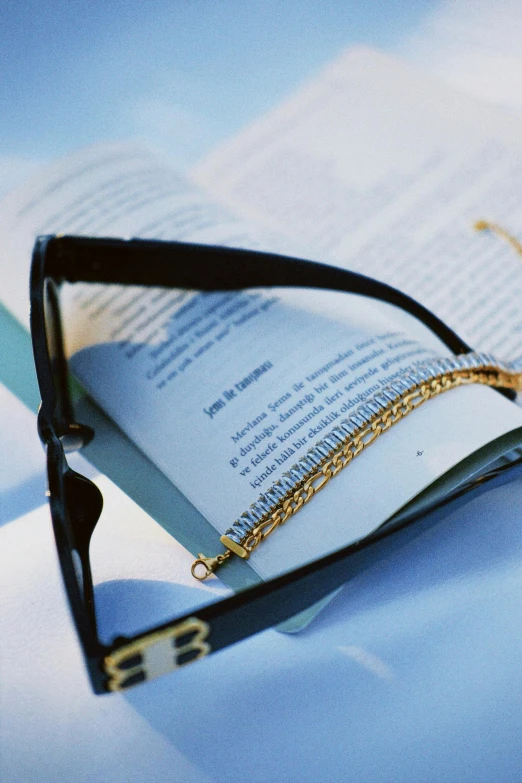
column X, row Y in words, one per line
column 76, row 437
column 73, row 437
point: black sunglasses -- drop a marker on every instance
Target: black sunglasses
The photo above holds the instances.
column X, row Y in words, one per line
column 76, row 502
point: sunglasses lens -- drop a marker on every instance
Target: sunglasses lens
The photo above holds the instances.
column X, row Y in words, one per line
column 56, row 359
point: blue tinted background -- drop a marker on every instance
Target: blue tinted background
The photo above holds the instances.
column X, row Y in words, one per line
column 183, row 75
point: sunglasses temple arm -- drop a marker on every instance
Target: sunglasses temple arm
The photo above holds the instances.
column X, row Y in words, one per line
column 214, row 268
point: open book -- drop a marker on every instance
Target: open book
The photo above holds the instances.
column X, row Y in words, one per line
column 371, row 167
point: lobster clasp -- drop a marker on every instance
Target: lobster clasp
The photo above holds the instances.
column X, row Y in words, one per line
column 208, row 564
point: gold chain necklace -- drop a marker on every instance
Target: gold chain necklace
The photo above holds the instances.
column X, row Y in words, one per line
column 348, row 439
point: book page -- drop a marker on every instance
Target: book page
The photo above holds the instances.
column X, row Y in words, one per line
column 381, row 169
column 225, row 391
column 118, row 190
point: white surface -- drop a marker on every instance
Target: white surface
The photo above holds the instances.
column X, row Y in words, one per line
column 411, row 674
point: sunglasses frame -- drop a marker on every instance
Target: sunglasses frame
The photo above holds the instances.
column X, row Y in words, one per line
column 76, row 502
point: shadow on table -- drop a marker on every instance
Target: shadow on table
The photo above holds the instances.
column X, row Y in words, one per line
column 437, row 619
column 129, row 606
column 19, row 500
